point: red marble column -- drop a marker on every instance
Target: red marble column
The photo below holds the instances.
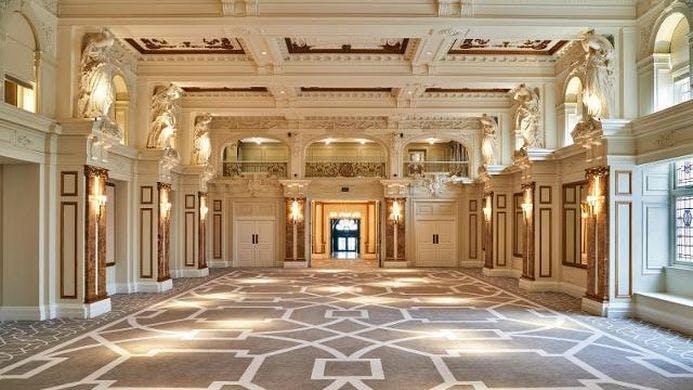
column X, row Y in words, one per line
column 395, row 233
column 295, row 248
column 95, row 234
column 597, row 232
column 487, row 210
column 528, row 265
column 164, row 234
column 203, row 212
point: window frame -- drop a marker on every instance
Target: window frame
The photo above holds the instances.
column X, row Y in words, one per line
column 676, row 192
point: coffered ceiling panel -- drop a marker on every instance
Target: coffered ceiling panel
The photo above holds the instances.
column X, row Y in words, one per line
column 500, row 46
column 346, row 46
column 211, row 45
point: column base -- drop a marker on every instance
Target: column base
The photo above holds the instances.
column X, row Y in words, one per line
column 83, row 310
column 502, row 272
column 395, row 264
column 155, row 287
column 295, row 263
column 190, row 273
column 220, row 264
column 606, row 309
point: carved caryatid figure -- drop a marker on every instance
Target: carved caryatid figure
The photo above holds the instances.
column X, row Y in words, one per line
column 596, row 71
column 96, row 89
column 165, row 109
column 527, row 111
column 202, row 146
column 489, row 126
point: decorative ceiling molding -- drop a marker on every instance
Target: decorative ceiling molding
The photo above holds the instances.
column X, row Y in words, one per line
column 461, row 8
column 396, row 46
column 467, row 90
column 545, row 47
column 224, row 89
column 189, row 46
column 344, row 123
column 440, row 123
column 239, row 7
column 347, row 89
column 249, row 123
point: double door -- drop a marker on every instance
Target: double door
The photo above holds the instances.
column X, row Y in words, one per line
column 436, row 243
column 254, row 243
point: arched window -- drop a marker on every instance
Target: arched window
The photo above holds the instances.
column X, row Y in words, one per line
column 672, row 62
column 346, row 157
column 119, row 110
column 435, row 156
column 573, row 108
column 20, row 81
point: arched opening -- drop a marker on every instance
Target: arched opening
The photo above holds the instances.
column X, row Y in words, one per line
column 672, row 62
column 346, row 157
column 436, row 156
column 573, row 108
column 120, row 108
column 256, row 156
column 20, row 78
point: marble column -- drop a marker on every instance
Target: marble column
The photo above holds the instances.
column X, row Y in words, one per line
column 202, row 198
column 164, row 232
column 528, row 265
column 295, row 230
column 597, row 234
column 488, row 230
column 395, row 232
column 95, row 235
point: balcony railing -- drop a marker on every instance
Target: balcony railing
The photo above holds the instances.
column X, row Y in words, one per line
column 261, row 168
column 423, row 168
column 345, row 169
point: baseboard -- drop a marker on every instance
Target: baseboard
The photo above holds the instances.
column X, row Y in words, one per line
column 502, row 272
column 190, row 273
column 126, row 288
column 471, row 264
column 571, row 289
column 154, row 287
column 296, row 264
column 83, row 310
column 616, row 309
column 395, row 264
column 220, row 264
column 25, row 313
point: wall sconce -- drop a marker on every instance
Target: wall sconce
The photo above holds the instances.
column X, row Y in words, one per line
column 203, row 211
column 527, row 205
column 396, row 212
column 593, row 205
column 487, row 209
column 295, row 214
column 166, row 208
column 98, row 198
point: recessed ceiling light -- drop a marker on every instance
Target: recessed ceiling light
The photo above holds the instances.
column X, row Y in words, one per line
column 431, row 141
column 363, row 142
column 429, row 52
column 327, row 141
column 410, row 92
column 264, row 53
column 282, row 91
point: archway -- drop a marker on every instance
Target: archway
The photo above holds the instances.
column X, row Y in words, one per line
column 121, row 106
column 436, row 156
column 20, row 78
column 256, row 156
column 573, row 108
column 346, row 157
column 672, row 62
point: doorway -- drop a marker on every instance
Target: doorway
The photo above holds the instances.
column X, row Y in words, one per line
column 344, row 234
column 346, row 237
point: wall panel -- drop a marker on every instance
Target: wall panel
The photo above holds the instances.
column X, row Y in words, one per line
column 68, row 250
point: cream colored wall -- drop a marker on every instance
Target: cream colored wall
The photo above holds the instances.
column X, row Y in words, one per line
column 20, row 235
column 265, row 152
column 680, row 50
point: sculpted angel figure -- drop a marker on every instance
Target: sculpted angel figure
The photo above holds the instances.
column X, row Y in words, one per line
column 97, row 68
column 597, row 69
column 165, row 110
column 202, row 147
column 489, row 126
column 526, row 110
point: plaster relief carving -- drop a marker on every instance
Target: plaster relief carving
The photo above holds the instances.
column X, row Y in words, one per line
column 345, row 123
column 165, row 111
column 249, row 123
column 489, row 141
column 526, row 117
column 96, row 89
column 596, row 71
column 202, row 146
column 441, row 123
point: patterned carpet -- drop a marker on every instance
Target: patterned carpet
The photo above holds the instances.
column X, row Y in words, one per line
column 379, row 329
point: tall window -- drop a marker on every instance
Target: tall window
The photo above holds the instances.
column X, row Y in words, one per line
column 672, row 62
column 19, row 79
column 683, row 211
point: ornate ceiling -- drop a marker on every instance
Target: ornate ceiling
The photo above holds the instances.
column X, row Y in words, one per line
column 192, row 45
column 506, row 46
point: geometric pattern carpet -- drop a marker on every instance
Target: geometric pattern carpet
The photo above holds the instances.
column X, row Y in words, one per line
column 321, row 329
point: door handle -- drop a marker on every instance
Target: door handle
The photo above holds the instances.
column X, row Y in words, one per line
column 257, row 238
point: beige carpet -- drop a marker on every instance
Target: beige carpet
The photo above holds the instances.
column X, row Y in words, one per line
column 380, row 329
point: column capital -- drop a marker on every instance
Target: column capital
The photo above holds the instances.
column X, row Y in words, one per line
column 295, row 188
